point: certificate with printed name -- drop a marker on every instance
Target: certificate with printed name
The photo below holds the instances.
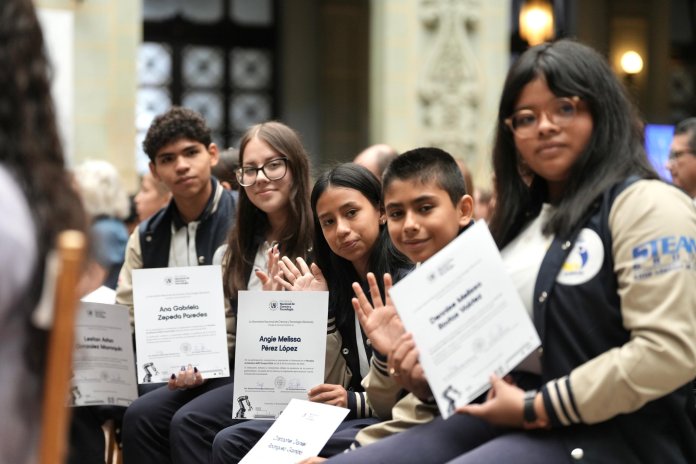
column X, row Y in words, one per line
column 179, row 320
column 103, row 365
column 280, row 350
column 466, row 317
column 300, row 432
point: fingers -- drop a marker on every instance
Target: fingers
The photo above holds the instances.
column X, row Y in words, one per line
column 289, row 269
column 402, row 347
column 283, row 283
column 388, row 282
column 316, row 272
column 326, row 393
column 410, row 362
column 284, row 271
column 473, row 409
column 362, row 318
column 187, row 377
column 263, row 277
column 365, row 306
column 313, row 460
column 273, row 258
column 304, row 269
column 374, row 290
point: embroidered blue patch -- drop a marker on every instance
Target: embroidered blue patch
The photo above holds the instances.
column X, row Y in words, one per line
column 664, row 254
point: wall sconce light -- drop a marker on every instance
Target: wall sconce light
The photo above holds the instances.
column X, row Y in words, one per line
column 631, row 63
column 536, row 21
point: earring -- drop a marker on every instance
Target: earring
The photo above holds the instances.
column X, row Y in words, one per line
column 382, row 222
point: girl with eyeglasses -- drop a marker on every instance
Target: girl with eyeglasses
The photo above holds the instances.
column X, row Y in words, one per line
column 273, row 217
column 602, row 254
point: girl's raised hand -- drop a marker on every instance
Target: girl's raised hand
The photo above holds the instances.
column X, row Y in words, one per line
column 379, row 320
column 267, row 279
column 300, row 277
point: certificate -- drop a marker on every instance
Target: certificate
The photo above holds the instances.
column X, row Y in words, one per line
column 300, row 432
column 179, row 320
column 280, row 350
column 103, row 365
column 466, row 317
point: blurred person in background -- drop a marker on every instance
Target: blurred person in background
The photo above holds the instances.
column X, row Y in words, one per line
column 682, row 157
column 107, row 206
column 152, row 197
column 224, row 171
column 376, row 158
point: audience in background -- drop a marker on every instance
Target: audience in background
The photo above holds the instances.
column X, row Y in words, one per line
column 107, row 206
column 682, row 157
column 376, row 158
column 466, row 173
column 484, row 203
column 152, row 196
column 224, row 171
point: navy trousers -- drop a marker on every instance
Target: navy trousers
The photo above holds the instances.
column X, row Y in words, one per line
column 435, row 442
column 461, row 439
column 234, row 442
column 152, row 423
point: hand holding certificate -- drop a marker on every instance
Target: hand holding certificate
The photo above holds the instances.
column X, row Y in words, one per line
column 300, row 432
column 280, row 351
column 180, row 321
column 466, row 318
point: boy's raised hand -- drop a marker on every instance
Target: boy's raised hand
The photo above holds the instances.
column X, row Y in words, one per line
column 301, row 277
column 379, row 320
column 405, row 367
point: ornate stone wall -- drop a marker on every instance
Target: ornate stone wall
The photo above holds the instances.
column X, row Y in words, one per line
column 450, row 87
column 437, row 70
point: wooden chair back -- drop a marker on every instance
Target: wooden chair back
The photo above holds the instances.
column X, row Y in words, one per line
column 55, row 413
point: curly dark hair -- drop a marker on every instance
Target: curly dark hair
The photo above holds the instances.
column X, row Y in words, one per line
column 177, row 123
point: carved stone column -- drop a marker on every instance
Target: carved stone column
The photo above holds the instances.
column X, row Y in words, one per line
column 437, row 72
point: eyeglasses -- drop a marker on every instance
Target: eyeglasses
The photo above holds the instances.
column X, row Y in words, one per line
column 274, row 169
column 560, row 111
column 675, row 155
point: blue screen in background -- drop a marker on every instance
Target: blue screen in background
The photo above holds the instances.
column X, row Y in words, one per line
column 658, row 138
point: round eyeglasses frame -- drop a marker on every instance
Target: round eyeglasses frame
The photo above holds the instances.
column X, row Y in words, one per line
column 248, row 171
column 560, row 111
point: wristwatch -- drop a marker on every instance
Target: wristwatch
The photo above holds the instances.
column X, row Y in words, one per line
column 528, row 412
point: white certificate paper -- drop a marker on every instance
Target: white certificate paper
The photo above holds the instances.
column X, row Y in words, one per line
column 300, row 432
column 179, row 320
column 280, row 350
column 466, row 317
column 103, row 365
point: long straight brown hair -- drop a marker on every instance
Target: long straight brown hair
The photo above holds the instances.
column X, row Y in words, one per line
column 251, row 225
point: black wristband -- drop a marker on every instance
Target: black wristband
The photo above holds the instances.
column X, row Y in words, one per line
column 528, row 412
